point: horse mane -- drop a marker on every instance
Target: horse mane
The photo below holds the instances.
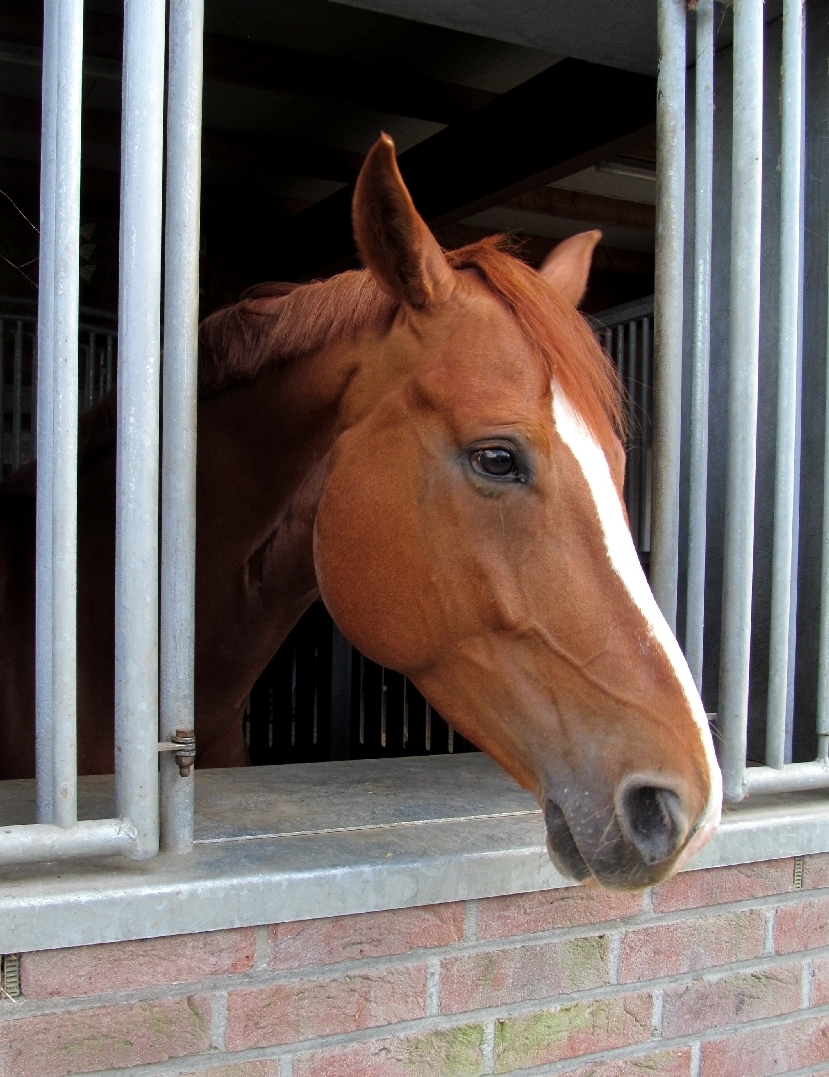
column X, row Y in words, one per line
column 277, row 323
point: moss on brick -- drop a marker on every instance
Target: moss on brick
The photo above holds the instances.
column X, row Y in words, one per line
column 521, row 1040
column 453, row 1052
column 565, row 1031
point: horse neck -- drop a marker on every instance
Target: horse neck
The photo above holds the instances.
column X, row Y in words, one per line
column 263, row 451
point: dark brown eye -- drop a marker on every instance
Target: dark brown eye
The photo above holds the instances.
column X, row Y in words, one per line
column 496, row 462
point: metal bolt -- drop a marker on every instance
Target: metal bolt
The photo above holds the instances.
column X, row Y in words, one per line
column 187, row 756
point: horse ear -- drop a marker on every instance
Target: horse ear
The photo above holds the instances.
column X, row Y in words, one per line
column 567, row 266
column 392, row 238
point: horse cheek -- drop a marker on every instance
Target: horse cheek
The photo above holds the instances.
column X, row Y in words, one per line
column 371, row 554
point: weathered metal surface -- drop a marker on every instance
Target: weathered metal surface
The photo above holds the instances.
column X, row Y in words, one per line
column 275, row 844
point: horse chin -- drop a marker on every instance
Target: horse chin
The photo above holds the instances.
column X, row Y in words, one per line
column 561, row 845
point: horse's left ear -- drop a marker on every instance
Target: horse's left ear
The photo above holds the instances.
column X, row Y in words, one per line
column 393, row 239
column 567, row 266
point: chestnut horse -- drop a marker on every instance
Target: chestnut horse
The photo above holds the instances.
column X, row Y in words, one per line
column 432, row 445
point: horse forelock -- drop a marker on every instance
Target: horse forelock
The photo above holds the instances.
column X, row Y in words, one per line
column 278, row 323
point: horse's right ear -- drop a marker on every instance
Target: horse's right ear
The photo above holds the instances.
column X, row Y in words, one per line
column 393, row 239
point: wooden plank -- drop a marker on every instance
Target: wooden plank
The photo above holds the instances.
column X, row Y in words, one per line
column 248, row 63
column 289, row 156
column 579, row 206
column 497, row 153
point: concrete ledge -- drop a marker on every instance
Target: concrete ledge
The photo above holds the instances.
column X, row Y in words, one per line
column 276, row 844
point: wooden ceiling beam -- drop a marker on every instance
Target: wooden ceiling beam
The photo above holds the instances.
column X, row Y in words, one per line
column 497, row 153
column 580, row 206
column 248, row 63
column 286, row 155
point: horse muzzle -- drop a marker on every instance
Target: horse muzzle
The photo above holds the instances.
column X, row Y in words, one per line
column 631, row 839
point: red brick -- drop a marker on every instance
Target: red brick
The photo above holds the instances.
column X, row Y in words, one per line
column 815, row 871
column 716, row 886
column 545, row 910
column 455, row 1051
column 568, row 1031
column 705, row 1004
column 264, row 1068
column 676, row 1063
column 90, row 970
column 287, row 1013
column 760, row 1052
column 105, row 1037
column 690, row 945
column 803, row 926
column 525, row 972
column 819, row 993
column 372, row 934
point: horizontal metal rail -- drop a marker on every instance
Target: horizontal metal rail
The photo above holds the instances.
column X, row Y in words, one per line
column 45, row 841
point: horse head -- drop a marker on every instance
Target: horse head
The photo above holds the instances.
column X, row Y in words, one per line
column 471, row 534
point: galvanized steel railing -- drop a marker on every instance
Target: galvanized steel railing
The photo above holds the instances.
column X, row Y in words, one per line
column 673, row 290
column 138, row 739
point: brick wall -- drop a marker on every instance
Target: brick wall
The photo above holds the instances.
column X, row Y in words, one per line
column 721, row 973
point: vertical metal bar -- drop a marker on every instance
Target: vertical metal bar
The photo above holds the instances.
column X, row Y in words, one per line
column 341, row 665
column 384, row 694
column 405, row 712
column 34, row 391
column 88, row 366
column 137, row 486
column 58, row 295
column 823, row 627
column 362, row 703
column 784, row 554
column 428, row 732
column 178, row 474
column 701, row 348
column 746, row 203
column 668, row 299
column 2, row 394
column 43, row 497
column 109, row 364
column 644, row 419
column 630, row 492
column 17, row 396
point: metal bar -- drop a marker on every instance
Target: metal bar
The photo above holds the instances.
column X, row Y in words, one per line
column 644, row 420
column 137, row 485
column 789, row 779
column 44, row 841
column 109, row 364
column 2, row 394
column 630, row 461
column 61, row 500
column 668, row 299
column 43, row 495
column 783, row 601
column 823, row 628
column 17, row 396
column 341, row 663
column 384, row 693
column 701, row 347
column 89, row 385
column 178, row 473
column 746, row 201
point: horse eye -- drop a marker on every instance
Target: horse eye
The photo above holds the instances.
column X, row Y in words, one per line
column 497, row 462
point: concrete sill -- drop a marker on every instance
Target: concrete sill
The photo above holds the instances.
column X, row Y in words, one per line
column 275, row 844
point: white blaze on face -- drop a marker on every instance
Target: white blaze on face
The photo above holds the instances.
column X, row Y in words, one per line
column 623, row 557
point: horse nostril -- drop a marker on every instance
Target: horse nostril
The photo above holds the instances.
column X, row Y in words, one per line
column 652, row 819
